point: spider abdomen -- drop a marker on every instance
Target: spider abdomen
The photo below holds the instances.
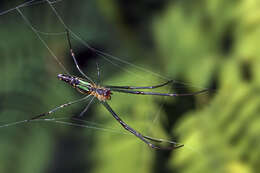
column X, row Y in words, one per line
column 73, row 81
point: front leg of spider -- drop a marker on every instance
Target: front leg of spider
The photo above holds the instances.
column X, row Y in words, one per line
column 136, row 133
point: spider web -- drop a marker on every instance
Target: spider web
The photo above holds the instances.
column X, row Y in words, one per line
column 118, row 64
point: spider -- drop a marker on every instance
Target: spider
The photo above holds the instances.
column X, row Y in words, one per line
column 88, row 87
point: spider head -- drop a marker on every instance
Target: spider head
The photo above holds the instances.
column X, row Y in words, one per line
column 107, row 92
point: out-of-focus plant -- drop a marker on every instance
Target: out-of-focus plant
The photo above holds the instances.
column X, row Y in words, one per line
column 218, row 39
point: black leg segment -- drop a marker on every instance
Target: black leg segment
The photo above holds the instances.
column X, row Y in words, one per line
column 158, row 94
column 146, row 87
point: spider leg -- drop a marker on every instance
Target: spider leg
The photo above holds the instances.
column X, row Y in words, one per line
column 162, row 140
column 133, row 87
column 98, row 74
column 86, row 108
column 59, row 107
column 74, row 58
column 136, row 133
column 159, row 94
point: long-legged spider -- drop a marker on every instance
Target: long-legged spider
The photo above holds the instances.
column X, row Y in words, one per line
column 89, row 88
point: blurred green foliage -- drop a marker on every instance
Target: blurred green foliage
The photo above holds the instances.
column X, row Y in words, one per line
column 201, row 43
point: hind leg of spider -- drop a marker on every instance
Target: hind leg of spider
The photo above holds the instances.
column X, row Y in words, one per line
column 137, row 134
column 59, row 107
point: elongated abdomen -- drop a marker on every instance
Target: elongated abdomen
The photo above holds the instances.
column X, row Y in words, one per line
column 69, row 79
column 85, row 87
